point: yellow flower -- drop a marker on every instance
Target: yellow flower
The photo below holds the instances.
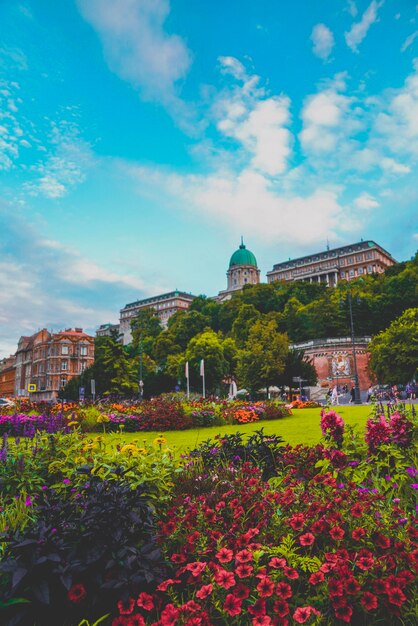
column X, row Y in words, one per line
column 129, row 448
column 73, row 423
column 90, row 446
column 98, row 438
column 102, row 418
column 160, row 440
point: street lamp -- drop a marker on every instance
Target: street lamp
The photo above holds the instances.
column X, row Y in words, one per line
column 357, row 398
column 141, row 382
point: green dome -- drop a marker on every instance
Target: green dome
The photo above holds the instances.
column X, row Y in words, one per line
column 242, row 256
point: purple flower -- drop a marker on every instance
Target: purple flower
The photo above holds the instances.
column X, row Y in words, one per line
column 414, row 485
column 66, row 481
column 412, row 471
column 28, row 501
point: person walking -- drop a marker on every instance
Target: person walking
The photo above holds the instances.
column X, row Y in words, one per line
column 353, row 395
column 334, row 396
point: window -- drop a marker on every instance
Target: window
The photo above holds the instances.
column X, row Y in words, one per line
column 369, row 255
column 82, row 367
column 83, row 350
column 64, row 365
column 351, row 273
column 342, row 274
column 360, row 270
column 64, row 349
column 359, row 257
column 370, row 269
column 63, row 382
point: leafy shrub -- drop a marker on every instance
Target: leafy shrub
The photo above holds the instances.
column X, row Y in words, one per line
column 87, row 547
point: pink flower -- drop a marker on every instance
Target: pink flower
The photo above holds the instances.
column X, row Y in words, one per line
column 204, row 591
column 302, row 614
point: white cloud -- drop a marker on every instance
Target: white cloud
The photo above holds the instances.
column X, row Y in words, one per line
column 45, row 283
column 251, row 200
column 66, row 163
column 409, row 41
column 323, row 41
column 360, row 29
column 136, row 46
column 244, row 112
column 366, row 201
column 397, row 121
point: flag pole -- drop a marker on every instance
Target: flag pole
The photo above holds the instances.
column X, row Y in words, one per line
column 202, row 373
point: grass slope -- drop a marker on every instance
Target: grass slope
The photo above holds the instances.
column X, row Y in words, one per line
column 300, row 427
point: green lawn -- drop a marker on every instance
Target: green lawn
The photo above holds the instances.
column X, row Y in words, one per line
column 300, row 427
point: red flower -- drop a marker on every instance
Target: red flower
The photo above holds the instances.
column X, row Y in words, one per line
column 258, row 609
column 284, row 590
column 126, row 607
column 191, row 606
column 232, row 605
column 244, row 570
column 316, row 578
column 335, row 587
column 265, row 587
column 291, row 573
column 365, row 562
column 135, row 620
column 380, row 586
column 281, row 607
column 166, row 583
column 369, row 601
column 337, row 533
column 170, row 615
column 145, row 601
column 244, row 556
column 120, row 621
column 396, row 596
column 196, row 568
column 77, row 593
column 302, row 614
column 344, row 613
column 178, row 558
column 383, row 541
column 277, row 563
column 358, row 533
column 224, row 555
column 265, row 620
column 241, row 591
column 351, row 586
column 204, row 591
column 297, row 521
column 224, row 579
column 357, row 510
column 307, row 539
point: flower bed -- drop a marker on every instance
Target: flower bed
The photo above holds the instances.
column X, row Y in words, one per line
column 240, row 532
column 157, row 415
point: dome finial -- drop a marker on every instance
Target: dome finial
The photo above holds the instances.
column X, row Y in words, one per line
column 242, row 243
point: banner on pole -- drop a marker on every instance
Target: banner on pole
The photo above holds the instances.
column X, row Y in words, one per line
column 202, row 367
column 186, row 369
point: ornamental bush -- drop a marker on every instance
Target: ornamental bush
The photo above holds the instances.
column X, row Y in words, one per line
column 87, row 547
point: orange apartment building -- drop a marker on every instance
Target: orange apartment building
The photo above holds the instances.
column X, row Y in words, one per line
column 7, row 376
column 330, row 266
column 50, row 360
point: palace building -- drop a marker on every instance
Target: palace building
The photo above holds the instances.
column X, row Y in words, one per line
column 332, row 265
column 242, row 271
column 164, row 305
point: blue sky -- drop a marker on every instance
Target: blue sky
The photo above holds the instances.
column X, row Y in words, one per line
column 139, row 139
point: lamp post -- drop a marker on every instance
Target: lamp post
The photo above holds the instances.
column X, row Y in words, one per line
column 357, row 398
column 141, row 382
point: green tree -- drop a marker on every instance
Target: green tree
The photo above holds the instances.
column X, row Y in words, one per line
column 246, row 317
column 297, row 365
column 208, row 346
column 263, row 359
column 394, row 351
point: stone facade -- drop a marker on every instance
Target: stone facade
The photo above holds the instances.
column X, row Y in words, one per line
column 330, row 266
column 50, row 360
column 164, row 305
column 334, row 362
column 7, row 376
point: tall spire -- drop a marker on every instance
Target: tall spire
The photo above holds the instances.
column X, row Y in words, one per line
column 242, row 243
